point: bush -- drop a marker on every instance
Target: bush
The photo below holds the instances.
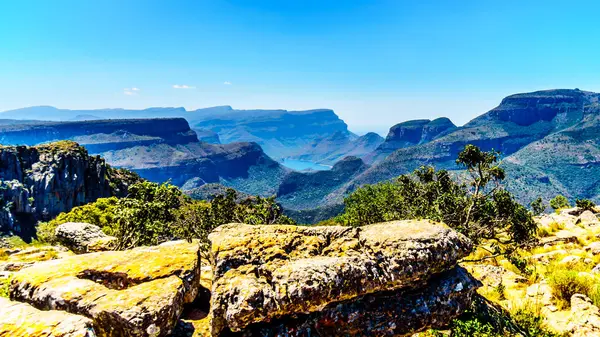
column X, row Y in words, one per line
column 153, row 213
column 532, row 323
column 4, row 286
column 559, row 202
column 585, row 204
column 538, row 207
column 100, row 213
column 566, row 282
column 476, row 209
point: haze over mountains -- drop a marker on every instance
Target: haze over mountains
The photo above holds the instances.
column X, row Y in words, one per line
column 548, row 140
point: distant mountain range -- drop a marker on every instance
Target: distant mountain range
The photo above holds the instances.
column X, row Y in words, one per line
column 160, row 150
column 549, row 140
column 280, row 133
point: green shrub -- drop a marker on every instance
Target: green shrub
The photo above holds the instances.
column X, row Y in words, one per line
column 100, row 213
column 4, row 284
column 585, row 204
column 566, row 283
column 153, row 213
column 559, row 202
column 538, row 207
column 532, row 323
column 479, row 209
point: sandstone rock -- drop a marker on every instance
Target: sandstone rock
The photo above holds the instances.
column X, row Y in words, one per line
column 140, row 292
column 585, row 317
column 546, row 257
column 540, row 293
column 587, row 218
column 571, row 259
column 593, row 247
column 27, row 257
column 83, row 237
column 265, row 272
column 23, row 320
column 394, row 313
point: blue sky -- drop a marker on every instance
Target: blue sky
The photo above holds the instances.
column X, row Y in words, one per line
column 376, row 63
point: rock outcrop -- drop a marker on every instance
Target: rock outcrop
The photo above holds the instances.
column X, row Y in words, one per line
column 262, row 273
column 22, row 320
column 38, row 183
column 410, row 133
column 83, row 237
column 127, row 293
column 399, row 313
column 585, row 317
column 389, row 279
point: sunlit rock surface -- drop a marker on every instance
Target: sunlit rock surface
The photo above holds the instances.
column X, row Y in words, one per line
column 266, row 272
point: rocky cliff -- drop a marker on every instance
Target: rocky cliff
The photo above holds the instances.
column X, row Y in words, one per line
column 300, row 190
column 38, row 183
column 160, row 150
column 410, row 133
column 333, row 148
column 100, row 135
column 547, row 137
column 280, row 133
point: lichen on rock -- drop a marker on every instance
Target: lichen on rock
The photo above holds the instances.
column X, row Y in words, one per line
column 140, row 292
column 265, row 272
column 22, row 320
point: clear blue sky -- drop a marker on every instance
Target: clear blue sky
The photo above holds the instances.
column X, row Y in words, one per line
column 375, row 62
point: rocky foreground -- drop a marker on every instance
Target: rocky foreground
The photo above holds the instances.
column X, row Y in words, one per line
column 390, row 279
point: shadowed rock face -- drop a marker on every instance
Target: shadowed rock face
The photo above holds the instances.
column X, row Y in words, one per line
column 297, row 188
column 267, row 272
column 41, row 182
column 410, row 133
column 159, row 150
column 395, row 313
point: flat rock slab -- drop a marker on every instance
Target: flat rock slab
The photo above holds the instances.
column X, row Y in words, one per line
column 393, row 313
column 265, row 272
column 23, row 320
column 140, row 292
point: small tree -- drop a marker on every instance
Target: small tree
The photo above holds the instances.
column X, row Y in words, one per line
column 480, row 209
column 559, row 202
column 538, row 207
column 585, row 204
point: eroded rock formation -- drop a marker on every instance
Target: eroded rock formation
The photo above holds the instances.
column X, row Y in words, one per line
column 38, row 183
column 389, row 279
column 263, row 273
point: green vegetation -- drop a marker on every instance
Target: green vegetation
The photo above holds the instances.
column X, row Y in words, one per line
column 527, row 322
column 566, row 282
column 480, row 208
column 153, row 213
column 559, row 202
column 537, row 207
column 101, row 213
column 4, row 283
column 585, row 204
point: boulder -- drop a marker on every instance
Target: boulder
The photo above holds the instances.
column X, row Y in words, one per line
column 587, row 218
column 570, row 260
column 585, row 317
column 40, row 323
column 83, row 237
column 593, row 247
column 394, row 313
column 140, row 292
column 265, row 272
